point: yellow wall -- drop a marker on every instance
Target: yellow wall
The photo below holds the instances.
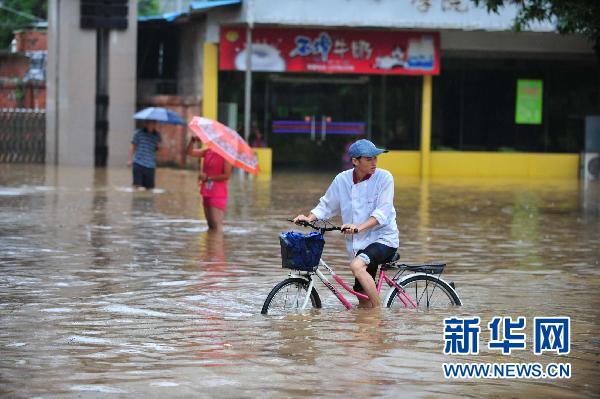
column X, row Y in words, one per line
column 463, row 164
column 401, row 163
column 500, row 164
column 482, row 164
column 210, row 79
column 426, row 127
column 264, row 157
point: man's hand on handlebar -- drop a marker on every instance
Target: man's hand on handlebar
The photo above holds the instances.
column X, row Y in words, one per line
column 307, row 221
column 349, row 228
column 301, row 218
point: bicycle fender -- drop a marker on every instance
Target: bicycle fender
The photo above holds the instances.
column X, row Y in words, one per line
column 391, row 290
column 298, row 275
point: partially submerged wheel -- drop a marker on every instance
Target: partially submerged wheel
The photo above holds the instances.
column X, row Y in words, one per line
column 426, row 291
column 288, row 297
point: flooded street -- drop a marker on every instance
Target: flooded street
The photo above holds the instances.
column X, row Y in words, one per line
column 107, row 292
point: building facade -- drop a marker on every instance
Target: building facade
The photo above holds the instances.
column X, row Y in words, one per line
column 450, row 89
column 89, row 70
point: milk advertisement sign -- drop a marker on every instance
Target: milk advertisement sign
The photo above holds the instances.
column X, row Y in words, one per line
column 331, row 51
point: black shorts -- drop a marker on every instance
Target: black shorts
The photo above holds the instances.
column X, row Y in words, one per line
column 142, row 176
column 378, row 254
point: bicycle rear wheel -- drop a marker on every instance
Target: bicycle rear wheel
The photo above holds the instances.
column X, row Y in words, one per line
column 288, row 296
column 427, row 291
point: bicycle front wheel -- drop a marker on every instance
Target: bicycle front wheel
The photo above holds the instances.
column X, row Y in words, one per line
column 426, row 291
column 288, row 297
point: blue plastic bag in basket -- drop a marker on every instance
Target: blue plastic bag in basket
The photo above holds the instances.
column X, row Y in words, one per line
column 300, row 251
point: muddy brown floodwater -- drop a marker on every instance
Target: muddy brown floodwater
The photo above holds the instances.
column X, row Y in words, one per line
column 107, row 292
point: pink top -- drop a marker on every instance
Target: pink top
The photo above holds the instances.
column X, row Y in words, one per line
column 214, row 165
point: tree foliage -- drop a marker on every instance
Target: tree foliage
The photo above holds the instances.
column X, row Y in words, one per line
column 148, row 7
column 19, row 14
column 571, row 16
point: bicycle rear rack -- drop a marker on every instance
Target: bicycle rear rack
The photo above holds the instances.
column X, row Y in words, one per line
column 427, row 268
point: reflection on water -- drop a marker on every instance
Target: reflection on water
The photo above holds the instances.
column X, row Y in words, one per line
column 106, row 291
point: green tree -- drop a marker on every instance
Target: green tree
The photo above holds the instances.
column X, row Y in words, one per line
column 148, row 7
column 19, row 14
column 571, row 16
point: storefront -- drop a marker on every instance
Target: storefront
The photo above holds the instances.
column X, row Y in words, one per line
column 450, row 89
column 315, row 91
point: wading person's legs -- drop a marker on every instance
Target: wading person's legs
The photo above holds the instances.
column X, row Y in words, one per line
column 214, row 209
column 217, row 218
column 359, row 269
column 148, row 179
column 208, row 213
column 364, row 267
column 138, row 175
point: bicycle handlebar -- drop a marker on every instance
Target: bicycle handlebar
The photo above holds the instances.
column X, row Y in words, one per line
column 323, row 229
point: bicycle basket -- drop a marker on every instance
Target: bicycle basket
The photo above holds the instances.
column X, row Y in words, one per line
column 301, row 252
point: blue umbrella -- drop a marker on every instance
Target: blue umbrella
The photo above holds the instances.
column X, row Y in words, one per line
column 159, row 114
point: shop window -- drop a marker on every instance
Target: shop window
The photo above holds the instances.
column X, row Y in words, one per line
column 475, row 99
column 292, row 111
column 397, row 112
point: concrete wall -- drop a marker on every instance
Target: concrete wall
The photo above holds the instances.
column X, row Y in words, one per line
column 463, row 27
column 527, row 43
column 121, row 89
column 71, row 87
column 190, row 61
column 395, row 14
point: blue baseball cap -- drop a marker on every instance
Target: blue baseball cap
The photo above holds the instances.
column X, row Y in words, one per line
column 364, row 148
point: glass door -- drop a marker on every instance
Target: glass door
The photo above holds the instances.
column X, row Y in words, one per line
column 313, row 120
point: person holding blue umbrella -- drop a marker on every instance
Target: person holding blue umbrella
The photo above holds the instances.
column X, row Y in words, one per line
column 145, row 144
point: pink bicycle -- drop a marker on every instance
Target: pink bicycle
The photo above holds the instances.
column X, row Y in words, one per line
column 423, row 288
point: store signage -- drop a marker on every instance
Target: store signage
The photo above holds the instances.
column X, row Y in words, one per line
column 325, row 126
column 331, row 51
column 529, row 102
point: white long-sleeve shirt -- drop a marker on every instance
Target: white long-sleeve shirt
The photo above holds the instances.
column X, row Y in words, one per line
column 357, row 202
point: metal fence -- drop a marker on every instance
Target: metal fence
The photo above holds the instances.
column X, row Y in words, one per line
column 22, row 135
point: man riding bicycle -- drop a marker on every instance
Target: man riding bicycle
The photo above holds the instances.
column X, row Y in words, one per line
column 364, row 196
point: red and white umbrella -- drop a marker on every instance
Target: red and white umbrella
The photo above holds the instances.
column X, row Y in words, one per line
column 226, row 142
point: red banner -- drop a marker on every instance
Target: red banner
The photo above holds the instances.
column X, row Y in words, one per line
column 332, row 51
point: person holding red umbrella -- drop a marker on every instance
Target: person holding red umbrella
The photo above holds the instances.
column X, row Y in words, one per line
column 213, row 183
column 226, row 142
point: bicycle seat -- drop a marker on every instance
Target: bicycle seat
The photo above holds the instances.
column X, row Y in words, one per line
column 390, row 264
